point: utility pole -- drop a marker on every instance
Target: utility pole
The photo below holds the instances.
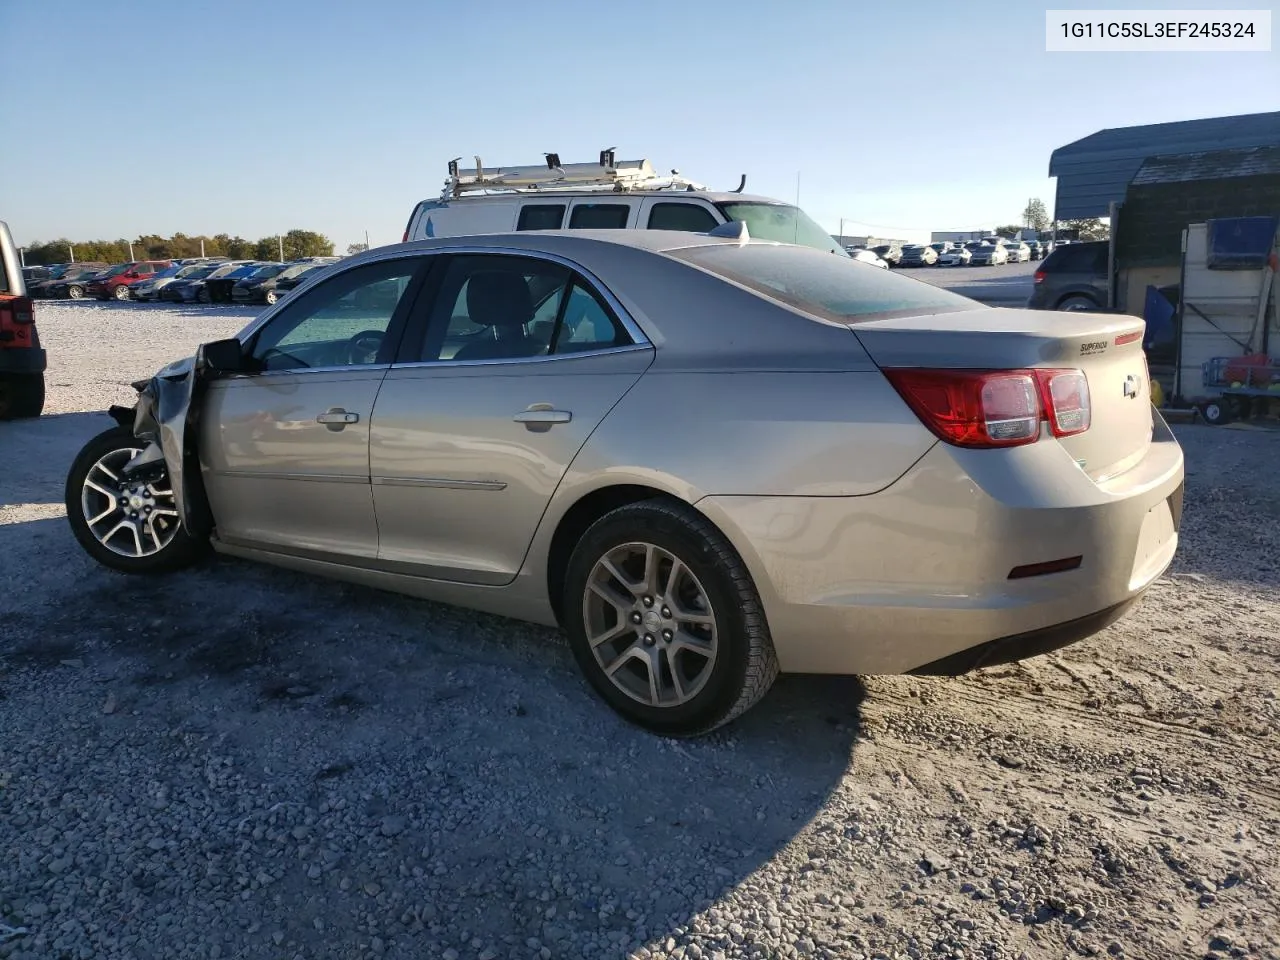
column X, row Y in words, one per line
column 202, row 248
column 73, row 252
column 366, row 239
column 22, row 256
column 281, row 239
column 130, row 242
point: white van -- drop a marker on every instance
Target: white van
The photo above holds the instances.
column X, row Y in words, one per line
column 607, row 195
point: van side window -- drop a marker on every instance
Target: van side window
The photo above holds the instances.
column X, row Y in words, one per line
column 599, row 216
column 541, row 216
column 681, row 216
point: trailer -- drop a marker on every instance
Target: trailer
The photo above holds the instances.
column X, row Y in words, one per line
column 1244, row 386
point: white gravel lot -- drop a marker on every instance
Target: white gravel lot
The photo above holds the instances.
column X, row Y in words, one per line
column 241, row 762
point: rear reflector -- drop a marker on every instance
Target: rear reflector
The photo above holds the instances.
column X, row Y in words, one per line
column 1128, row 338
column 1038, row 277
column 1040, row 569
column 995, row 408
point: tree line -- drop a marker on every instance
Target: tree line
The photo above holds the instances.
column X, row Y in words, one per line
column 295, row 243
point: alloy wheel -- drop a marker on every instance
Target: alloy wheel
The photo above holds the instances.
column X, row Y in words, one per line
column 650, row 624
column 129, row 517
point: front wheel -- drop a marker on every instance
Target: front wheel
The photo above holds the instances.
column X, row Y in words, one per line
column 75, row 292
column 130, row 525
column 664, row 620
column 1216, row 413
column 121, row 292
column 203, row 295
column 270, row 297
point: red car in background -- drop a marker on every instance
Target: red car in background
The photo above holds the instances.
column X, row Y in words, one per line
column 115, row 283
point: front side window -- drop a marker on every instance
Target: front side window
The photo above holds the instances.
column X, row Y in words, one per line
column 341, row 322
column 492, row 307
column 682, row 216
column 541, row 216
column 599, row 216
column 821, row 285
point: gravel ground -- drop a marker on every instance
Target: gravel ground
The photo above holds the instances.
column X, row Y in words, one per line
column 1007, row 285
column 240, row 762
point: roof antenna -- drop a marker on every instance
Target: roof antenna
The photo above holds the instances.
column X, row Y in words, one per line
column 741, row 184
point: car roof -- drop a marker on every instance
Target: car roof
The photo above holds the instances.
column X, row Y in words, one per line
column 656, row 241
column 604, row 196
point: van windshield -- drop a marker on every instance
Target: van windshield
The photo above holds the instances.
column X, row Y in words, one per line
column 782, row 223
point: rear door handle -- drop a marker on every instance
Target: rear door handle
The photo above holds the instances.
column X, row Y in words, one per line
column 540, row 417
column 335, row 418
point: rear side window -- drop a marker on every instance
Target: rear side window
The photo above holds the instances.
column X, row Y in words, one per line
column 541, row 216
column 599, row 216
column 1078, row 258
column 823, row 285
column 681, row 216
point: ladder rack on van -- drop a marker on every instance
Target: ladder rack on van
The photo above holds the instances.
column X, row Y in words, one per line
column 608, row 174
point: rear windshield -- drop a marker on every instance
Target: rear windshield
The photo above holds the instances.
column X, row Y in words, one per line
column 822, row 285
column 781, row 222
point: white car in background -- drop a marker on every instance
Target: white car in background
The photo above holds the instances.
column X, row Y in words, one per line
column 1019, row 252
column 987, row 254
column 957, row 256
column 868, row 257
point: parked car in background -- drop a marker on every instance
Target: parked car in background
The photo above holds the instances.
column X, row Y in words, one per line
column 987, row 254
column 73, row 284
column 1039, row 249
column 22, row 359
column 149, row 290
column 890, row 253
column 286, row 285
column 869, row 257
column 261, row 287
column 918, row 255
column 955, row 256
column 69, row 272
column 1072, row 277
column 190, row 289
column 971, row 499
column 218, row 287
column 114, row 283
column 1018, row 251
column 31, row 274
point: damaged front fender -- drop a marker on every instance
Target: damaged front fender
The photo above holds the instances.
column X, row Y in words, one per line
column 166, row 417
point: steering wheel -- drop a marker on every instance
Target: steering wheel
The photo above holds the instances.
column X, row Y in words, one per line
column 364, row 347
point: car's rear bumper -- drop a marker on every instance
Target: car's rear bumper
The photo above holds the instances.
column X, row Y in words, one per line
column 918, row 574
column 22, row 360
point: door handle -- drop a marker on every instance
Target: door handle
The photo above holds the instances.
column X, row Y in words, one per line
column 335, row 418
column 541, row 416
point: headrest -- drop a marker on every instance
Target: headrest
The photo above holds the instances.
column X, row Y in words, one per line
column 499, row 298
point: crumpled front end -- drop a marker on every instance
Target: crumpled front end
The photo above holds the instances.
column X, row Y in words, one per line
column 165, row 417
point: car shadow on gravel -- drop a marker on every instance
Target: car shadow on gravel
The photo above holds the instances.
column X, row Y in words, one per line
column 449, row 757
column 169, row 309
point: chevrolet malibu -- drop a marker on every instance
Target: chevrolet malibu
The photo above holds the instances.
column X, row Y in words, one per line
column 706, row 459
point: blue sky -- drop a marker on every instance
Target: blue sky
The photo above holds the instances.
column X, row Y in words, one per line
column 252, row 117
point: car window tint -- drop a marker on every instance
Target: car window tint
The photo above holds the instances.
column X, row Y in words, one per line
column 339, row 322
column 681, row 216
column 587, row 324
column 599, row 216
column 541, row 216
column 493, row 307
column 821, row 284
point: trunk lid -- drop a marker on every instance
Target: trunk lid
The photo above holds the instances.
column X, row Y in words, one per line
column 1106, row 347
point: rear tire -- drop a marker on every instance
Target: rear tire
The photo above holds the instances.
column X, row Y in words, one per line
column 21, row 395
column 128, row 526
column 707, row 654
column 1077, row 303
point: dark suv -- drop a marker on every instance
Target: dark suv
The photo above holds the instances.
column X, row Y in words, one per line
column 1072, row 277
column 22, row 361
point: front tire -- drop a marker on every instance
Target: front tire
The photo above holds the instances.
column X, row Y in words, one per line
column 21, row 395
column 664, row 620
column 270, row 297
column 75, row 292
column 127, row 525
column 121, row 292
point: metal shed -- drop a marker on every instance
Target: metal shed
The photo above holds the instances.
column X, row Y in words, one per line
column 1093, row 172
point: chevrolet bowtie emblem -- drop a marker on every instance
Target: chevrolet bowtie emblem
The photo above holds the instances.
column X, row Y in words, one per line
column 1131, row 386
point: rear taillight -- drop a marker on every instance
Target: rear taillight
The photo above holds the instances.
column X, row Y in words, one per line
column 1038, row 277
column 995, row 408
column 18, row 310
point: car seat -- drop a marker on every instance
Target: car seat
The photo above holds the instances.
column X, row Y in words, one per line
column 502, row 301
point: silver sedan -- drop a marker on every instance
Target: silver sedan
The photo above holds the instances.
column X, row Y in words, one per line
column 706, row 459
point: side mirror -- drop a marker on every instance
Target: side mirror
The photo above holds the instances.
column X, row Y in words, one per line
column 224, row 356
